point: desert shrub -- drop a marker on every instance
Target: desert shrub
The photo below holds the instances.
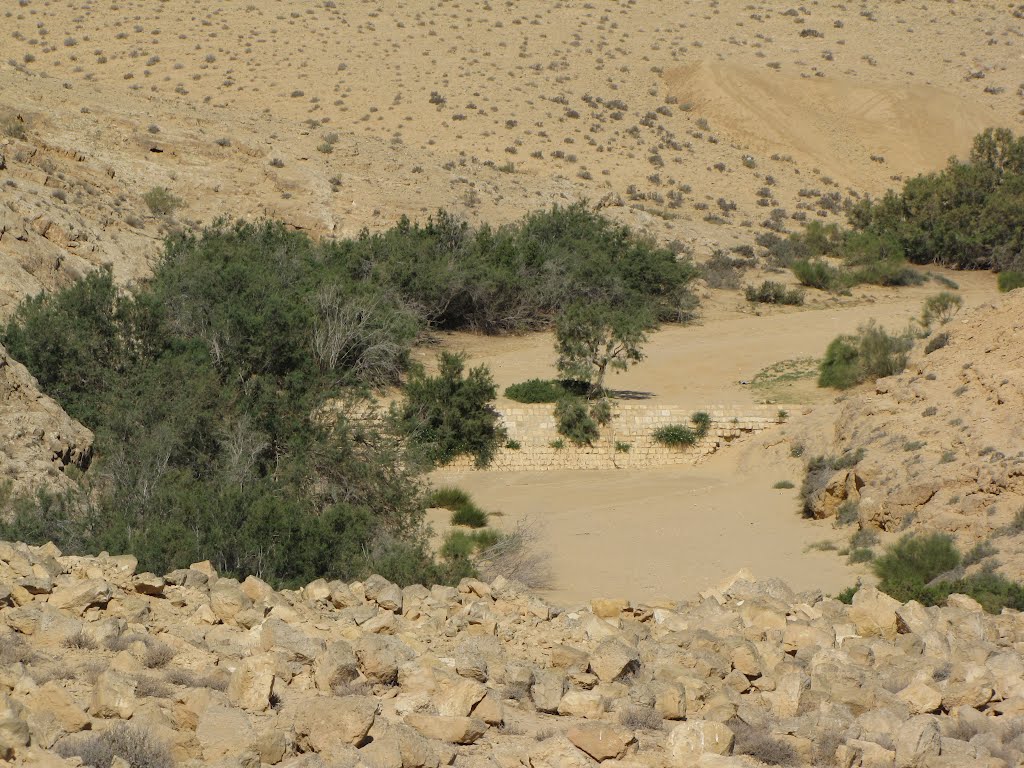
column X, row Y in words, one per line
column 980, row 551
column 450, row 414
column 683, row 435
column 518, row 555
column 640, row 718
column 938, row 341
column 535, row 391
column 464, row 510
column 760, row 745
column 910, row 564
column 471, row 516
column 942, row 307
column 872, row 353
column 161, row 201
column 158, row 654
column 722, row 271
column 131, row 743
column 770, row 292
column 817, row 273
column 846, row 596
column 1010, row 280
column 574, row 420
column 860, row 555
column 783, row 485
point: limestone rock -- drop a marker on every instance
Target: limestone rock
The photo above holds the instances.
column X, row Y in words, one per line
column 326, row 724
column 601, row 741
column 688, row 741
column 612, row 659
column 113, row 695
column 456, row 730
column 80, row 596
column 252, row 684
column 874, row 613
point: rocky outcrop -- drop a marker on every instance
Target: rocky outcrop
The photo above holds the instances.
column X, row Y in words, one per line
column 38, row 440
column 205, row 670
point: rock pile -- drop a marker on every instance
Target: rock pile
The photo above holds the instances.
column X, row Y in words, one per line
column 103, row 665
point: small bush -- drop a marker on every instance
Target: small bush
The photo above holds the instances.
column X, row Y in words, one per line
column 464, row 511
column 722, row 271
column 783, row 485
column 158, row 654
column 574, row 420
column 1010, row 280
column 817, row 273
column 938, row 341
column 757, row 743
column 942, row 307
column 129, row 742
column 860, row 555
column 873, row 353
column 681, row 435
column 846, row 596
column 980, row 551
column 770, row 292
column 513, row 445
column 517, row 555
column 640, row 718
column 162, row 202
column 80, row 641
column 536, row 391
column 622, row 447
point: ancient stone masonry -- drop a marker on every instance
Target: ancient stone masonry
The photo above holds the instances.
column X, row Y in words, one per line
column 628, row 442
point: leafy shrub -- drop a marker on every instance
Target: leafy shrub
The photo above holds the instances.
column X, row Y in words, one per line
column 910, row 564
column 817, row 273
column 872, row 353
column 941, row 307
column 513, row 445
column 535, row 391
column 450, row 414
column 783, row 485
column 464, row 511
column 860, row 555
column 462, row 545
column 574, row 420
column 682, row 435
column 770, row 292
column 1010, row 280
column 161, row 201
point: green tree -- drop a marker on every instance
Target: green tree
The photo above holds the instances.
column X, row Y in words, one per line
column 592, row 339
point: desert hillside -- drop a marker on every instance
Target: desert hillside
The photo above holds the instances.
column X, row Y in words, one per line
column 693, row 122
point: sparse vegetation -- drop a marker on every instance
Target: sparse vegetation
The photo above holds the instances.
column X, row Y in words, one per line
column 161, row 201
column 464, row 510
column 940, row 308
column 770, row 292
column 137, row 747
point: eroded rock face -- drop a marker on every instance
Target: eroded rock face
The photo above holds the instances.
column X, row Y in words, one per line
column 213, row 671
column 38, row 440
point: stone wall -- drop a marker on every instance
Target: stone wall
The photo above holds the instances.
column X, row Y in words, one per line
column 633, row 425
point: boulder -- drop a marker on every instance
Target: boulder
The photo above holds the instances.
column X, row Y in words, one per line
column 223, row 731
column 456, row 730
column 613, row 660
column 688, row 741
column 917, row 740
column 874, row 613
column 601, row 741
column 113, row 695
column 336, row 665
column 547, row 690
column 252, row 683
column 51, row 713
column 326, row 725
column 227, row 600
column 80, row 596
column 385, row 594
column 14, row 731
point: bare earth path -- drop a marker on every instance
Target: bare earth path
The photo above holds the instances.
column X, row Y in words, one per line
column 675, row 531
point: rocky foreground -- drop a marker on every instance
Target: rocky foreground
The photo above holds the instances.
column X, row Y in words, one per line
column 106, row 666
